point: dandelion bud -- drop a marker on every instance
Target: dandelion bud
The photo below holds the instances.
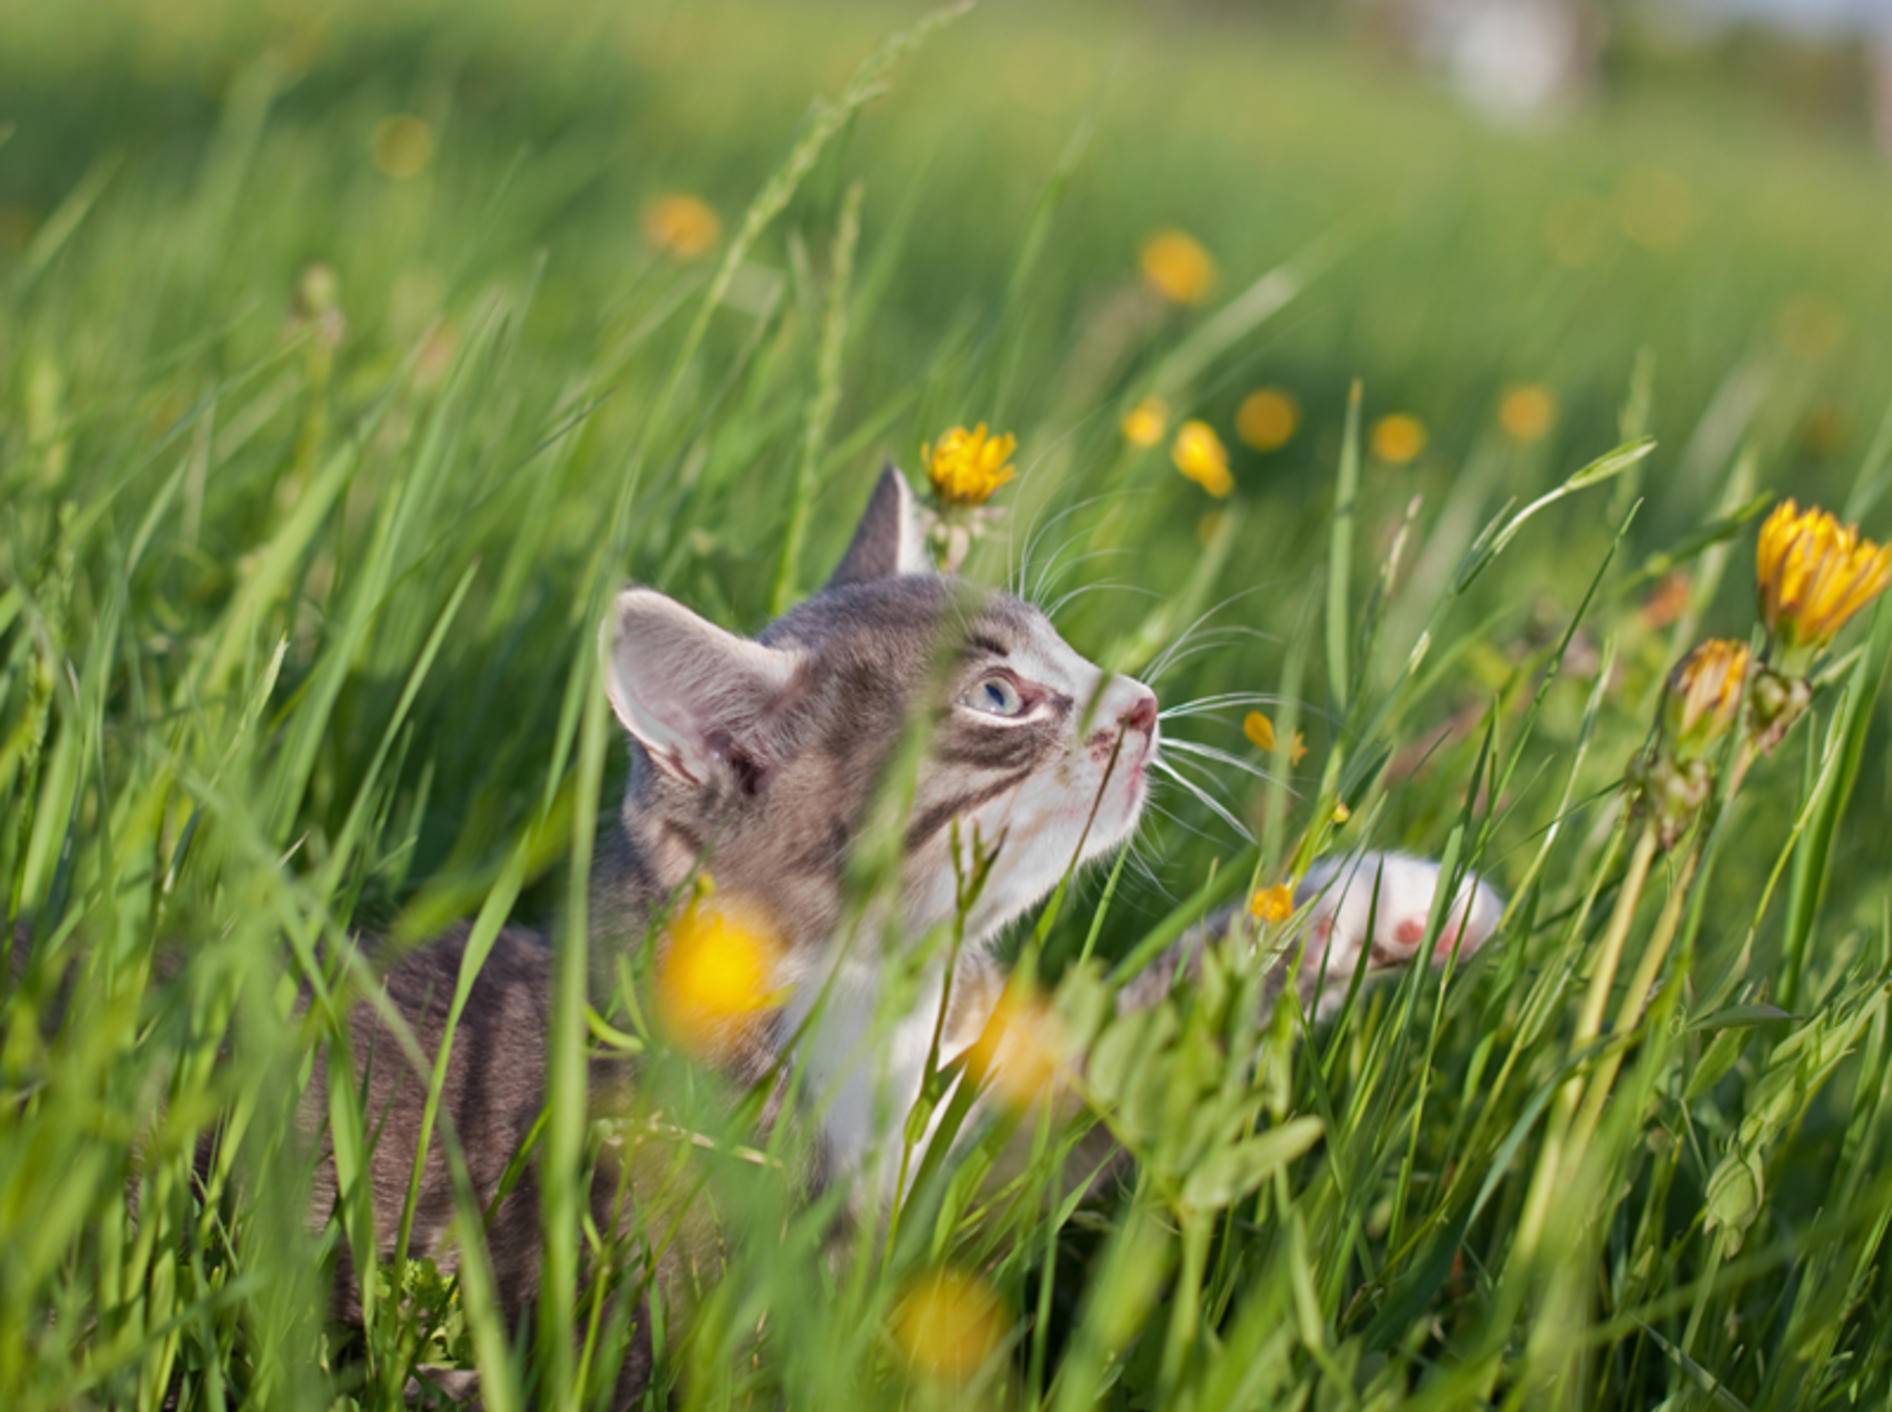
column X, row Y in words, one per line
column 1814, row 574
column 1703, row 693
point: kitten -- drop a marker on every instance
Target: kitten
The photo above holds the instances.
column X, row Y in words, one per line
column 762, row 760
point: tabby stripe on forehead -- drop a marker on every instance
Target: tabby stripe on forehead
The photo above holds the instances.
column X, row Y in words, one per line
column 937, row 817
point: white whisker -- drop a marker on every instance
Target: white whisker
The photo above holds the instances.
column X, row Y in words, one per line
column 1076, row 593
column 1206, row 799
column 1210, row 752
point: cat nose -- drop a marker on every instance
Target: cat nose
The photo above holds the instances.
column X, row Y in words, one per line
column 1141, row 713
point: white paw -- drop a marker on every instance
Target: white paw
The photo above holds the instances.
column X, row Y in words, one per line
column 1379, row 904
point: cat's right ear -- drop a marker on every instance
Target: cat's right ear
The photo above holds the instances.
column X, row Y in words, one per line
column 691, row 694
column 889, row 539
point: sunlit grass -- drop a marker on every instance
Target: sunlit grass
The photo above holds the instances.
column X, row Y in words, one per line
column 348, row 368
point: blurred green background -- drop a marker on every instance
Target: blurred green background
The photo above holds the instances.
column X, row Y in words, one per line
column 350, row 356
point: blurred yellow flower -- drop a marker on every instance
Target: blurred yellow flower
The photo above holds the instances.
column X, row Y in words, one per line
column 1267, row 419
column 1656, row 208
column 1177, row 267
column 716, row 977
column 948, row 1323
column 682, row 225
column 1021, row 1053
column 1810, row 327
column 1272, row 904
column 1814, row 574
column 401, row 146
column 1144, row 423
column 1398, row 438
column 1199, row 454
column 1260, row 732
column 1341, row 812
column 1527, row 411
column 965, row 467
column 1703, row 691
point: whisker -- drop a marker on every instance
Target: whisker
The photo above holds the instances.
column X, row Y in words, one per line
column 1179, row 821
column 1210, row 752
column 1206, row 799
column 1076, row 593
column 1038, row 531
column 1217, row 642
column 1202, row 704
column 1048, row 577
column 1160, row 663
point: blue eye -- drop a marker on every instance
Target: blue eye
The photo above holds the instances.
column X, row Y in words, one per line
column 994, row 695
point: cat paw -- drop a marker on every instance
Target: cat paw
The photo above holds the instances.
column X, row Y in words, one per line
column 1379, row 905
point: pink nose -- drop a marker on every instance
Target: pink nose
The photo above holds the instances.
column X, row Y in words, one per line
column 1142, row 715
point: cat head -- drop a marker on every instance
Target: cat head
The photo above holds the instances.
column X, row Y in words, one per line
column 762, row 759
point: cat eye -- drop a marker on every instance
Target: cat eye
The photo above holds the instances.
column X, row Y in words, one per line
column 995, row 695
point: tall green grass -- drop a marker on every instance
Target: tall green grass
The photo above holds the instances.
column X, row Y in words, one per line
column 299, row 585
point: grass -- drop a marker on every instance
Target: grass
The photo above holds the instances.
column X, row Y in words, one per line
column 299, row 586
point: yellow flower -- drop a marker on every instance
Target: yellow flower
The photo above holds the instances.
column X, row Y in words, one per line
column 716, row 977
column 1176, row 266
column 1272, row 904
column 948, row 1323
column 401, row 146
column 1341, row 812
column 1702, row 694
column 1814, row 574
column 967, row 466
column 1527, row 412
column 1267, row 419
column 1199, row 454
column 1398, row 438
column 1021, row 1053
column 1260, row 732
column 682, row 225
column 1143, row 424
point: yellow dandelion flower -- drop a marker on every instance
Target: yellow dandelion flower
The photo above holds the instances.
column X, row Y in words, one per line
column 1260, row 732
column 1267, row 419
column 965, row 467
column 1527, row 412
column 1021, row 1053
column 716, row 977
column 681, row 225
column 401, row 146
column 1398, row 438
column 1272, row 904
column 1199, row 454
column 1176, row 266
column 1814, row 574
column 1703, row 691
column 948, row 1323
column 1144, row 423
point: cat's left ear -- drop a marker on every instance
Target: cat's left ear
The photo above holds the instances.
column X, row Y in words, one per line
column 695, row 697
column 889, row 539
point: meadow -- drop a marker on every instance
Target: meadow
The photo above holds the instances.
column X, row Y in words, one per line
column 352, row 357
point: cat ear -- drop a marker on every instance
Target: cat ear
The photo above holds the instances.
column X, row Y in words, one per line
column 889, row 539
column 690, row 693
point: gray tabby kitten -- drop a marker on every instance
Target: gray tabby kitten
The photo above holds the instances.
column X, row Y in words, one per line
column 760, row 759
